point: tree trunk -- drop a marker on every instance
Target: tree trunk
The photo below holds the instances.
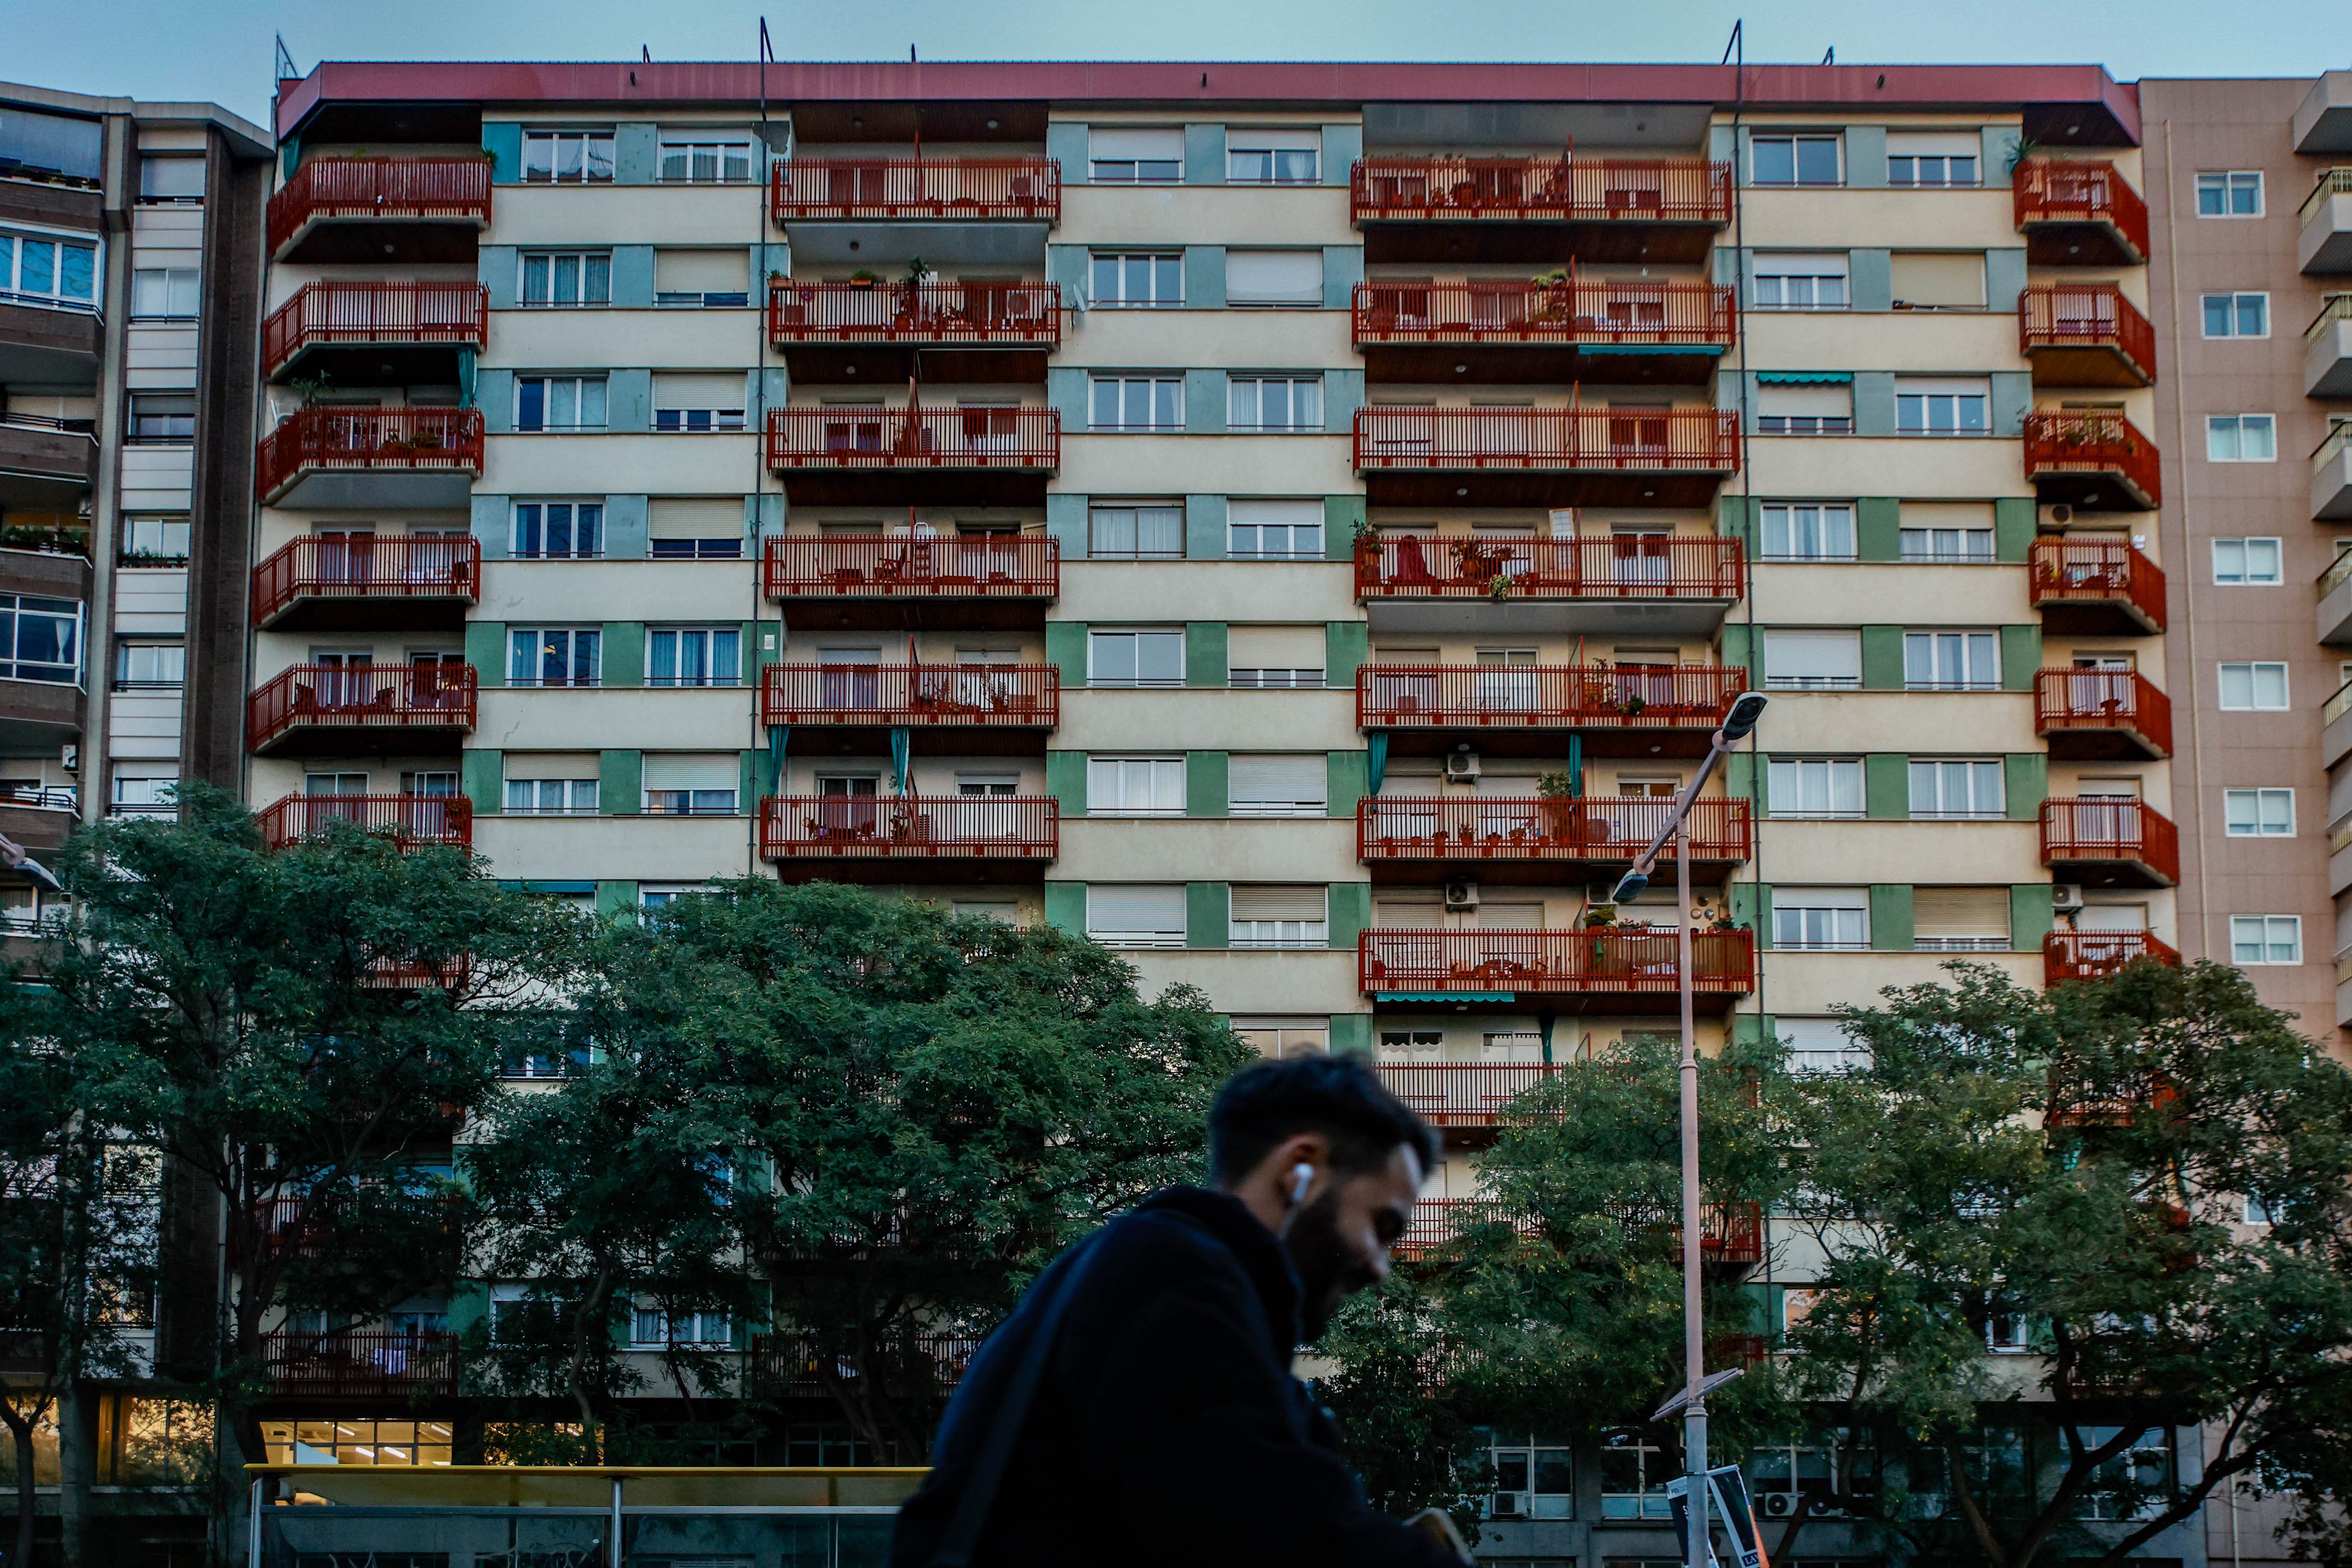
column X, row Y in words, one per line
column 233, row 1489
column 77, row 1448
column 20, row 1434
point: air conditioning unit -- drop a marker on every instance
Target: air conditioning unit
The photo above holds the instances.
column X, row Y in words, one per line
column 1461, row 896
column 2066, row 899
column 69, row 758
column 2058, row 514
column 1778, row 1505
column 1461, row 766
column 1506, row 1506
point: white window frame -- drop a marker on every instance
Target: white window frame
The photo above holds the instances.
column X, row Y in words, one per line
column 1281, row 165
column 1158, row 937
column 1112, row 781
column 2265, row 932
column 720, row 653
column 1127, row 385
column 1926, row 396
column 1798, row 777
column 1821, row 1046
column 575, row 797
column 1522, row 1458
column 649, row 1327
column 1842, row 924
column 1158, row 267
column 1780, row 681
column 181, row 288
column 72, row 612
column 1785, row 269
column 579, row 384
column 1112, row 513
column 1263, row 539
column 2267, row 812
column 595, row 154
column 2233, row 308
column 533, row 517
column 1937, row 793
column 1098, row 639
column 2256, row 673
column 154, row 536
column 13, row 279
column 584, row 270
column 1246, row 405
column 720, row 143
column 1974, row 641
column 162, row 673
column 1293, row 933
column 2227, row 184
column 1134, row 170
column 1784, row 523
column 2241, row 574
column 1795, row 141
column 517, row 637
column 2226, row 438
column 1318, row 807
column 1947, row 178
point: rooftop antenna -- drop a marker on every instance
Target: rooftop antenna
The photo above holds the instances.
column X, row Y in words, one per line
column 285, row 62
column 1830, row 58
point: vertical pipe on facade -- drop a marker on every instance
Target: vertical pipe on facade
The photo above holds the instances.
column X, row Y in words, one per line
column 2179, row 492
column 757, row 278
column 1759, row 786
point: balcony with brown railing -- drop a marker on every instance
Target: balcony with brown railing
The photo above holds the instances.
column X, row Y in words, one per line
column 313, row 707
column 420, row 209
column 371, row 458
column 2110, row 844
column 2086, row 585
column 411, row 821
column 1498, row 331
column 956, row 440
column 2091, row 458
column 2084, row 334
column 1675, row 708
column 2078, row 214
column 376, row 316
column 1648, row 567
column 922, row 697
column 1731, row 1235
column 1614, row 971
column 359, row 1361
column 2100, row 715
column 898, row 568
column 896, row 836
column 1532, row 456
column 2114, row 1104
column 1565, row 837
column 957, row 314
column 799, row 1365
column 1462, row 1096
column 1028, row 189
column 359, row 581
column 1563, row 189
column 2097, row 955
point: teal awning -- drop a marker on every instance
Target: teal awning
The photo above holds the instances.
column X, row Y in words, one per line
column 1445, row 995
column 1376, row 762
column 1804, row 378
column 1596, row 349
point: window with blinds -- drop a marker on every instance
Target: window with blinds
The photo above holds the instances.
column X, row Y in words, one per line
column 707, row 278
column 1960, row 919
column 1275, row 657
column 1812, row 660
column 1136, row 154
column 1281, row 917
column 1938, row 281
column 691, row 785
column 1274, row 277
column 1136, row 916
column 695, row 528
column 1286, row 784
column 698, row 403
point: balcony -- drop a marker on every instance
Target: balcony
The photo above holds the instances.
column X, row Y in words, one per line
column 1731, row 1235
column 905, row 838
column 1462, row 1096
column 1022, row 189
column 963, row 708
column 45, row 464
column 896, row 580
column 2078, row 214
column 2091, row 586
column 2102, row 715
column 1645, row 581
column 797, row 1364
column 2335, row 587
column 2091, row 460
column 390, row 708
column 2327, row 350
column 915, row 456
column 2324, row 246
column 1559, row 840
column 2109, row 843
column 367, row 458
column 50, row 343
column 359, row 583
column 381, row 210
column 412, row 821
column 1574, row 972
column 1418, row 207
column 37, row 819
column 2084, row 334
column 349, row 1362
column 2331, row 473
column 1630, row 710
column 2096, row 955
column 1559, row 333
column 1543, row 457
column 413, row 328
column 880, row 334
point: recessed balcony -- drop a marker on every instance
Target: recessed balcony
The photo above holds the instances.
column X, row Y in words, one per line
column 377, row 333
column 1543, row 457
column 2097, row 955
column 2084, row 334
column 358, row 582
column 1462, row 1096
column 905, row 838
column 2078, row 214
column 1422, row 208
column 2335, row 587
column 358, row 1362
column 963, row 708
column 1024, row 189
column 2092, row 459
column 39, row 819
column 45, row 464
column 381, row 210
column 1529, row 710
column 2102, row 715
column 2331, row 474
column 2324, row 244
column 1503, row 331
column 311, row 709
column 2086, row 585
column 954, row 314
column 1731, row 1235
column 1536, row 839
column 902, row 579
column 412, row 821
column 2110, row 844
column 919, row 456
column 2327, row 350
column 371, row 458
column 50, row 343
column 1576, row 972
column 1646, row 582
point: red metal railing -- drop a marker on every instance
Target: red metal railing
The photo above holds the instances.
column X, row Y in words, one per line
column 1569, row 312
column 360, row 1362
column 1681, row 441
column 1623, row 566
column 1003, row 695
column 2048, row 192
column 917, row 187
column 428, row 190
column 2096, row 955
column 411, row 819
column 2093, row 570
column 1453, row 828
column 2095, row 700
column 2106, row 831
column 2085, row 316
column 1463, row 1094
column 363, row 567
column 952, row 827
column 982, row 313
column 914, row 439
column 797, row 1363
column 1555, row 963
column 1729, row 1234
column 1658, row 190
column 1599, row 696
column 2090, row 441
column 446, row 441
column 366, row 312
column 385, row 696
column 900, row 567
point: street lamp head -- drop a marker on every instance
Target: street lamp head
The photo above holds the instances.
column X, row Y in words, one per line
column 1629, row 887
column 1745, row 709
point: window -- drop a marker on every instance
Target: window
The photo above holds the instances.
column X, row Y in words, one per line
column 1947, row 544
column 559, row 403
column 40, row 640
column 2255, row 687
column 1633, row 1477
column 347, row 1440
column 701, row 279
column 1940, row 159
column 2136, row 1483
column 1133, row 916
column 1280, row 917
column 652, row 901
column 2237, row 315
column 2240, row 438
column 155, row 540
column 171, row 180
column 706, row 161
column 1139, row 279
column 163, row 293
column 566, row 278
column 2247, row 562
column 559, row 530
column 691, row 787
column 1274, row 403
column 1814, row 786
column 1938, row 280
column 552, row 797
column 2266, row 939
column 36, row 270
column 554, row 656
column 1804, row 409
column 2237, row 193
column 1273, row 157
column 1927, row 405
column 1535, row 1478
column 1960, row 919
column 1413, row 1045
column 567, row 157
column 692, row 529
column 25, row 907
column 1135, row 533
column 1794, row 281
column 1284, row 784
column 697, row 404
column 1823, row 919
column 1262, row 656
column 1795, row 160
column 1963, row 789
column 1285, row 1037
column 1273, row 530
column 144, row 789
column 709, row 1329
column 1274, row 277
column 163, row 419
column 1813, row 662
column 1135, row 787
column 1136, row 403
column 693, row 656
column 1123, row 155
column 2258, row 812
column 1808, row 530
column 1951, row 661
column 1821, row 1045
column 149, row 661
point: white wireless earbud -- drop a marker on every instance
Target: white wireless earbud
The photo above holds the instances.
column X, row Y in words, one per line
column 1302, row 1176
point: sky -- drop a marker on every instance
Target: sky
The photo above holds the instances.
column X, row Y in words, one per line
column 220, row 50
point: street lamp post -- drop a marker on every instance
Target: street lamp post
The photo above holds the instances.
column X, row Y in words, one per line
column 1745, row 709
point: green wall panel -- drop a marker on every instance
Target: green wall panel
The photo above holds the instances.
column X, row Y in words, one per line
column 1751, row 906
column 1208, row 915
column 1065, row 650
column 620, row 783
column 485, row 650
column 1066, row 781
column 1343, row 518
column 1352, row 1032
column 1065, row 906
column 625, row 653
column 2013, row 522
column 2026, row 780
column 1886, row 786
column 1346, row 645
column 614, row 899
column 1345, row 777
column 484, row 774
column 2030, row 917
column 1205, row 653
column 1351, row 912
column 1882, row 658
column 1878, row 528
column 1890, row 917
column 1204, row 784
column 2021, row 656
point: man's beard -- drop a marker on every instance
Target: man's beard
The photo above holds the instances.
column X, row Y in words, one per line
column 1325, row 1274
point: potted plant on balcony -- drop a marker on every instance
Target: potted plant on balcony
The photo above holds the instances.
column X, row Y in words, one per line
column 1561, row 810
column 1552, row 304
column 864, row 278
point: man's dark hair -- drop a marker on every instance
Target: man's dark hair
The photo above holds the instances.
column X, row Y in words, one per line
column 1338, row 1095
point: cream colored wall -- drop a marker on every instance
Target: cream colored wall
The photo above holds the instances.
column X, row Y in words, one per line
column 608, row 215
column 1107, row 719
column 670, row 464
column 1921, row 467
column 1206, row 214
column 615, row 848
column 1856, row 854
column 1304, row 981
column 1240, row 591
column 591, row 591
column 1934, row 342
column 1111, row 465
column 1210, row 849
column 603, row 339
column 1267, row 339
column 1944, row 723
column 1801, row 985
column 616, row 718
column 1853, row 595
column 1848, row 219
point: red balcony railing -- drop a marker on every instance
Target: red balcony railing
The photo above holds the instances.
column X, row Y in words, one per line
column 914, row 439
column 360, row 1362
column 867, row 828
column 1597, row 696
column 1632, row 313
column 419, row 696
column 1616, row 963
column 457, row 314
column 2054, row 192
column 1463, row 1094
column 972, row 314
column 2098, row 585
column 414, row 190
column 1561, row 189
column 2096, row 712
column 362, row 440
column 2075, row 318
column 440, row 568
column 799, row 1365
column 2097, row 955
column 909, row 566
column 1730, row 1234
column 1008, row 695
column 1623, row 566
column 2059, row 443
column 411, row 820
column 1681, row 440
column 2125, row 837
column 917, row 188
column 1459, row 830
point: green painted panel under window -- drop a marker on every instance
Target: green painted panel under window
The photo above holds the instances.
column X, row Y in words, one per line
column 616, row 899
column 2029, row 919
column 1343, row 519
column 503, row 141
column 756, row 651
column 1751, row 906
column 625, row 653
column 1739, row 649
column 2026, row 780
column 1345, row 780
column 1885, row 787
column 1346, row 644
column 1208, row 915
column 1205, row 653
column 485, row 777
column 1890, row 917
column 751, row 786
column 1741, row 518
column 485, row 650
column 1065, row 650
column 620, row 783
column 1878, row 528
column 1352, row 1032
column 1871, row 280
column 1065, row 906
column 2021, row 656
column 1748, row 1028
column 1066, row 781
column 1882, row 658
column 1743, row 776
column 1204, row 784
column 2013, row 522
column 1350, row 912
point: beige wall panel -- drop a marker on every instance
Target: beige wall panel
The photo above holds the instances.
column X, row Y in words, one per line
column 600, row 590
column 150, row 599
column 173, row 226
column 1207, row 721
column 1205, row 215
column 1928, row 342
column 1947, row 723
column 1855, row 854
column 1280, row 593
column 632, row 465
column 156, row 478
column 640, row 718
column 1272, row 340
column 614, row 848
column 160, row 356
column 1877, row 594
column 604, row 215
column 1241, row 849
column 134, row 717
column 600, row 339
column 1916, row 220
column 1885, row 465
column 1810, row 983
column 1320, row 981
column 1192, row 465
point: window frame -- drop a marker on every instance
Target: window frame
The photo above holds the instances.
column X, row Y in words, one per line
column 2270, row 926
column 552, row 262
column 2233, row 305
column 2230, row 181
column 539, row 524
column 1794, row 905
column 1939, row 809
column 1824, row 512
column 1933, row 637
column 1308, row 386
column 2244, row 577
column 573, row 636
column 75, row 616
column 1153, row 776
column 1842, row 277
column 709, row 635
column 1963, row 391
column 1796, row 140
column 126, row 646
column 1311, row 531
column 554, row 138
column 1831, row 778
column 570, row 790
column 2255, row 668
column 1158, row 940
column 13, row 238
column 2239, row 425
column 1121, row 260
column 2259, row 797
column 691, row 140
column 172, row 277
column 1097, row 636
column 1237, row 146
column 1097, row 550
column 1096, row 382
column 581, row 381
